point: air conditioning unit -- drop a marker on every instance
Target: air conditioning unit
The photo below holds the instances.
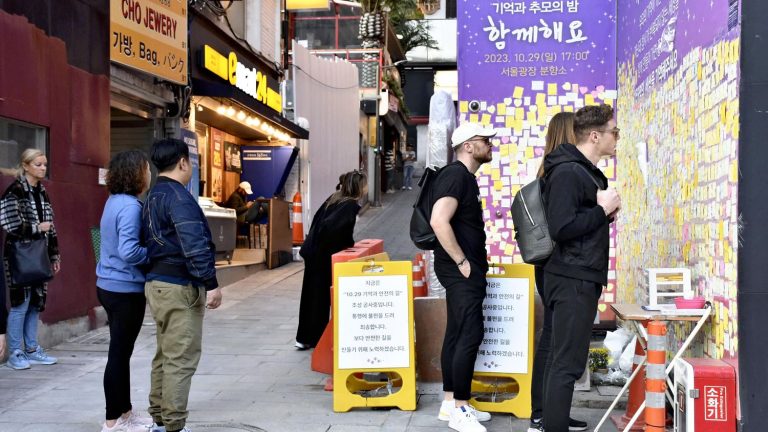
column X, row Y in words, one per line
column 705, row 396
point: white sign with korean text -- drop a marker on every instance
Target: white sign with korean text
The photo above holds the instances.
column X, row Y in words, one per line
column 506, row 320
column 373, row 322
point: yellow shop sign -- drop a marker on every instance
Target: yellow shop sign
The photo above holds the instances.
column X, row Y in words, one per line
column 251, row 81
column 151, row 36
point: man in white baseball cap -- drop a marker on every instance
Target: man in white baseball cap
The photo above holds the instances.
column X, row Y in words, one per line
column 239, row 200
column 468, row 131
column 460, row 265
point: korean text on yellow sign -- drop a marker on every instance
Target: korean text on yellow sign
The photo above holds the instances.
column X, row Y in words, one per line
column 151, row 36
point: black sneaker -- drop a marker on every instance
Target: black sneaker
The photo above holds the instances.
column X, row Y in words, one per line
column 576, row 425
column 537, row 425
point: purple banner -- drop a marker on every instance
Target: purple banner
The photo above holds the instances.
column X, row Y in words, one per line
column 502, row 43
column 657, row 33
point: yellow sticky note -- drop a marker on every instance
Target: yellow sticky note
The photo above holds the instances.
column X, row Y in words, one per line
column 504, row 150
column 463, row 106
column 541, row 99
column 531, row 117
column 509, row 121
column 529, row 152
column 608, row 171
column 497, row 185
column 501, row 109
column 514, row 189
column 473, row 118
column 552, row 89
column 495, row 174
column 509, row 250
column 518, row 93
column 486, row 119
column 589, row 99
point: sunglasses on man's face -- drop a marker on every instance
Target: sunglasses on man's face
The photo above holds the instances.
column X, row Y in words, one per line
column 615, row 131
column 484, row 140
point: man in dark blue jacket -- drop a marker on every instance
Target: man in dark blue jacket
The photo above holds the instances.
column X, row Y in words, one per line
column 181, row 275
column 578, row 213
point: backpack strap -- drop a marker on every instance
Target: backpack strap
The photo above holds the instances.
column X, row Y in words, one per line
column 594, row 180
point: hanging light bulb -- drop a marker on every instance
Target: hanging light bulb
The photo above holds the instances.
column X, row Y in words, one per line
column 241, row 116
column 221, row 109
column 230, row 111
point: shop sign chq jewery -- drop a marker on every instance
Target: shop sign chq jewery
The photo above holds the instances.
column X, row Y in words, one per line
column 151, row 36
column 251, row 81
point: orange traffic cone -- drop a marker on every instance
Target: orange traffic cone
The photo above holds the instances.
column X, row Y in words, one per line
column 298, row 224
column 656, row 378
column 419, row 290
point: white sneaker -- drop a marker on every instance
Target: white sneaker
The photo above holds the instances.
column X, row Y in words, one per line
column 447, row 406
column 463, row 420
column 145, row 422
column 123, row 425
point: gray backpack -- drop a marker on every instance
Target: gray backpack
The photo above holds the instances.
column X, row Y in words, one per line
column 530, row 219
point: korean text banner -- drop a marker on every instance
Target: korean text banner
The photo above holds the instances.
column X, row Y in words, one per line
column 504, row 43
column 151, row 36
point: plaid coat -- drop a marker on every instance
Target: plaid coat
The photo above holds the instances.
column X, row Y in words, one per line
column 19, row 220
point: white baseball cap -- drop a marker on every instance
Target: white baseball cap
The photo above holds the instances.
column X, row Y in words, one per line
column 467, row 131
column 246, row 187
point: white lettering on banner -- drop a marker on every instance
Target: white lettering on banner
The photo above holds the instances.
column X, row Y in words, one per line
column 530, row 34
column 535, row 7
column 373, row 322
column 506, row 320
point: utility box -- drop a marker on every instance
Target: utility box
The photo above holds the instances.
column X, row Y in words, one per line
column 705, row 396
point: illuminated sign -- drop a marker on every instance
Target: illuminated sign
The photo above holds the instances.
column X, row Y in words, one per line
column 151, row 36
column 306, row 4
column 250, row 80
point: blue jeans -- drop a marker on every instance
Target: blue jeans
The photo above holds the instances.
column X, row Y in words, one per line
column 407, row 175
column 22, row 325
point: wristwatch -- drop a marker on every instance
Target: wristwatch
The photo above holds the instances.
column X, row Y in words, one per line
column 461, row 263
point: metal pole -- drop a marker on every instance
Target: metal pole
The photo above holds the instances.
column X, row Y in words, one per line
column 377, row 165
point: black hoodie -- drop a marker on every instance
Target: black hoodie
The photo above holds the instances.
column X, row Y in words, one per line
column 577, row 224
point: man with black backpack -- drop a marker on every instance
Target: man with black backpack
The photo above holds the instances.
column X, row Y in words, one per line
column 579, row 207
column 460, row 266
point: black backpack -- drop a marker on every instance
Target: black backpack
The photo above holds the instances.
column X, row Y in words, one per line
column 530, row 219
column 421, row 231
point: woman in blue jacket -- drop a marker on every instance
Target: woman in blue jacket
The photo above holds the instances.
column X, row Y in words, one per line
column 120, row 283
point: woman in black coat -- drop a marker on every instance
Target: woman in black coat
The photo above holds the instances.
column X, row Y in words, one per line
column 330, row 232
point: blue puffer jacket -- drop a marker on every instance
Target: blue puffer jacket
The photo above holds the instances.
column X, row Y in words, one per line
column 177, row 236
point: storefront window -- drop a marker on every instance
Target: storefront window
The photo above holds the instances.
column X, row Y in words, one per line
column 17, row 136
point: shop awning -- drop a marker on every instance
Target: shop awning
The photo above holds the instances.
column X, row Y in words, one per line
column 202, row 87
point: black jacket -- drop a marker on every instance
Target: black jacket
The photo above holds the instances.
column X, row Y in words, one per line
column 577, row 224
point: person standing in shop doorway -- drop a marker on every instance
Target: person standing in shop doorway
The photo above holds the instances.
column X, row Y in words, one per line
column 409, row 159
column 389, row 168
column 181, row 282
column 239, row 200
column 579, row 213
column 461, row 266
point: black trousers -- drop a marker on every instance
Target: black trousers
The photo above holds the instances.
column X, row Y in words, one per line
column 574, row 305
column 463, row 336
column 542, row 360
column 315, row 305
column 125, row 312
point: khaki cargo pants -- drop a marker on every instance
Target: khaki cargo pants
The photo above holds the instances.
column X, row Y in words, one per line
column 178, row 311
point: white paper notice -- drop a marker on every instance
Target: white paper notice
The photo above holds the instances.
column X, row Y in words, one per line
column 373, row 322
column 505, row 315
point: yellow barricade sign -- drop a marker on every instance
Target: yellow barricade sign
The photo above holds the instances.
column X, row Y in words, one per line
column 505, row 359
column 373, row 336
